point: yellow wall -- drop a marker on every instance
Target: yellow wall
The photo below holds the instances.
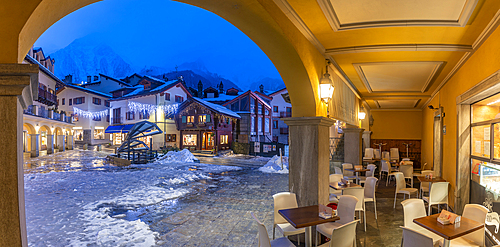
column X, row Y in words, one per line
column 396, row 124
column 484, row 62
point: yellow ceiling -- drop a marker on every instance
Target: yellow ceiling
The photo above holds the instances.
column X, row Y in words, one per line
column 444, row 38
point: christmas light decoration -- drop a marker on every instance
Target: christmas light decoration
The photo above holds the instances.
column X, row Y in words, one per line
column 88, row 114
column 148, row 108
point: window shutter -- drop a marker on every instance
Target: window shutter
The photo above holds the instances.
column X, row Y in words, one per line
column 184, row 119
column 208, row 118
column 83, row 100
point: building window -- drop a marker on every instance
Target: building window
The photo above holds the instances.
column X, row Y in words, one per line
column 252, row 124
column 259, row 125
column 79, row 100
column 224, row 139
column 63, row 101
column 130, row 115
column 179, row 99
column 97, row 118
column 106, row 103
column 189, row 140
column 204, row 118
column 275, row 109
column 275, row 124
column 99, row 134
column 170, row 138
column 143, row 115
column 70, row 101
column 267, row 127
column 78, row 135
column 167, row 96
column 96, row 101
column 190, row 119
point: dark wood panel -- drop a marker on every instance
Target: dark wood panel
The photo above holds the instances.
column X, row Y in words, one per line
column 414, row 150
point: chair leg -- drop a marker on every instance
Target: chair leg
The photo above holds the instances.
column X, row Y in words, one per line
column 447, row 208
column 412, row 182
column 429, row 211
column 364, row 218
column 396, row 194
column 298, row 237
column 274, row 231
column 375, row 205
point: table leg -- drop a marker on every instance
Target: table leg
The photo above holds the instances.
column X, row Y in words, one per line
column 308, row 237
column 357, row 178
column 446, row 243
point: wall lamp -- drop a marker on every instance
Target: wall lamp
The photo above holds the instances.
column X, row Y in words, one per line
column 362, row 114
column 325, row 85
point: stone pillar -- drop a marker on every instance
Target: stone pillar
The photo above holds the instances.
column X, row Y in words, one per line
column 69, row 142
column 87, row 136
column 35, row 145
column 367, row 138
column 18, row 88
column 353, row 145
column 50, row 144
column 61, row 141
column 309, row 159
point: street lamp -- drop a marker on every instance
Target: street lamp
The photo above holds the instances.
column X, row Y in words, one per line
column 325, row 86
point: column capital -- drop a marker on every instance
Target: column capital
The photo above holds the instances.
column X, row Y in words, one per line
column 355, row 130
column 19, row 80
column 299, row 121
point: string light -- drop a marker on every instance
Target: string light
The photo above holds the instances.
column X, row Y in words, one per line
column 88, row 114
column 148, row 108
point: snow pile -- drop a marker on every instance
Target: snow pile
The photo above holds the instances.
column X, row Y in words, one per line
column 274, row 165
column 183, row 156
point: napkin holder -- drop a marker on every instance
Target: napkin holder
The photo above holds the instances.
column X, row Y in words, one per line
column 446, row 217
column 344, row 181
column 325, row 212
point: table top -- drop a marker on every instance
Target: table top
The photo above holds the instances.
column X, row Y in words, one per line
column 422, row 179
column 341, row 187
column 305, row 216
column 450, row 231
column 357, row 170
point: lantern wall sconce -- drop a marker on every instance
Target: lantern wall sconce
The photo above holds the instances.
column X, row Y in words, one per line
column 362, row 114
column 325, row 85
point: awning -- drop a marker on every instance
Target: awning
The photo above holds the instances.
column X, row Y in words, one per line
column 127, row 127
column 119, row 128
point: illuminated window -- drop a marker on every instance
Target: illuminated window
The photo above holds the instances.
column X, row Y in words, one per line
column 224, row 139
column 99, row 134
column 190, row 119
column 189, row 140
column 202, row 118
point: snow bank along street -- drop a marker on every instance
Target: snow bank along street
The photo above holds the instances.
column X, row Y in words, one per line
column 75, row 198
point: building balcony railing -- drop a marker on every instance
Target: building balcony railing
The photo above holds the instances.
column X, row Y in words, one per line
column 48, row 114
column 47, row 98
column 285, row 114
column 284, row 131
column 116, row 120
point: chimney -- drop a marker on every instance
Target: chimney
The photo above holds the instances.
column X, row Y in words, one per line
column 221, row 87
column 89, row 79
column 68, row 79
column 96, row 78
column 200, row 89
column 261, row 88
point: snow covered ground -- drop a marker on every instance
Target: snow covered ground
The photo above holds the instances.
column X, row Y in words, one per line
column 75, row 199
column 274, row 165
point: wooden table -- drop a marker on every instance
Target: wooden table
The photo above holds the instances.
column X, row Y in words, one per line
column 305, row 217
column 448, row 232
column 357, row 171
column 341, row 187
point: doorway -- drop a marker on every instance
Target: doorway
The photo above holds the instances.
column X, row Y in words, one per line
column 208, row 141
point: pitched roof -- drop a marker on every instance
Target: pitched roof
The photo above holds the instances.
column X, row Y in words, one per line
column 43, row 69
column 274, row 93
column 116, row 80
column 218, row 108
column 140, row 91
column 249, row 92
column 84, row 90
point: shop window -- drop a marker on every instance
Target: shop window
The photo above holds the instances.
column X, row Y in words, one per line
column 189, row 140
column 78, row 135
column 224, row 139
column 99, row 134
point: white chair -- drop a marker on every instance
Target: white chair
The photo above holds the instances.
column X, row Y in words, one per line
column 338, row 170
column 343, row 236
column 407, row 171
column 376, row 153
column 347, row 174
column 334, row 178
column 345, row 211
column 401, row 187
column 369, row 173
column 477, row 213
column 406, row 159
column 264, row 238
column 368, row 154
column 386, row 156
column 395, row 154
column 423, row 168
column 413, row 238
column 370, row 185
column 387, row 169
column 437, row 195
column 285, row 200
column 424, row 187
column 359, row 193
column 412, row 209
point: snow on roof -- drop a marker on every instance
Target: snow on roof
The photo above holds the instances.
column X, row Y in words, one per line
column 88, row 90
column 216, row 107
column 223, row 97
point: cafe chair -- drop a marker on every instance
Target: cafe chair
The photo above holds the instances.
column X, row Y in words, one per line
column 368, row 154
column 264, row 238
column 386, row 156
column 343, row 236
column 406, row 159
column 438, row 195
column 334, row 178
column 412, row 209
column 369, row 173
column 395, row 154
column 285, row 200
column 386, row 168
column 413, row 238
column 376, row 153
column 370, row 185
column 477, row 213
column 347, row 174
column 423, row 168
column 401, row 187
column 407, row 171
column 338, row 170
column 345, row 211
column 424, row 187
column 359, row 193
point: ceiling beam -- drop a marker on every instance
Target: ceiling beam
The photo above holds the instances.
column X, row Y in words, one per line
column 399, row 47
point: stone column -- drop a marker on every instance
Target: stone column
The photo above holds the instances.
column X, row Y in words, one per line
column 35, row 145
column 50, row 144
column 69, row 142
column 353, row 145
column 61, row 141
column 309, row 159
column 367, row 138
column 18, row 88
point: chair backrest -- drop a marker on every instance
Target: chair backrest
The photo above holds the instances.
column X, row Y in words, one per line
column 395, row 154
column 412, row 238
column 283, row 200
column 407, row 170
column 347, row 166
column 338, row 170
column 359, row 193
column 407, row 162
column 439, row 193
column 335, row 178
column 370, row 184
column 368, row 153
column 376, row 153
column 412, row 209
column 386, row 155
column 344, row 236
column 263, row 237
column 406, row 159
column 400, row 181
column 478, row 213
column 385, row 166
column 371, row 172
column 346, row 208
column 426, row 166
column 424, row 173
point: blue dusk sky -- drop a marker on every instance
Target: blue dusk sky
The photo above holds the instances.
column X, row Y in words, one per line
column 164, row 34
